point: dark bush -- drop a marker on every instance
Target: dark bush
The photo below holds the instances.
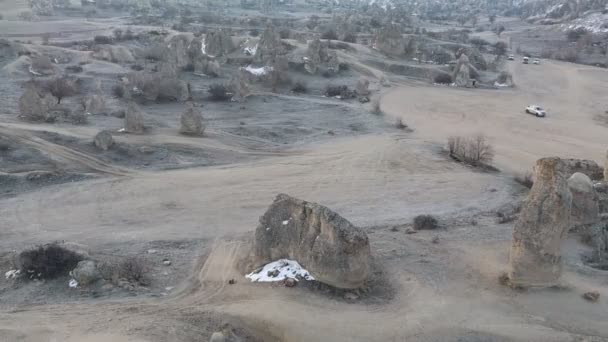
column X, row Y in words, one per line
column 443, row 79
column 299, row 87
column 329, row 34
column 75, row 69
column 350, row 37
column 525, row 180
column 425, row 222
column 576, row 34
column 284, row 33
column 61, row 87
column 48, row 261
column 118, row 91
column 219, row 92
column 342, row 91
column 103, row 40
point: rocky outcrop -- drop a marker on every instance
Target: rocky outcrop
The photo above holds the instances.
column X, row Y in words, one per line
column 362, row 88
column 462, row 72
column 177, row 53
column 585, row 202
column 333, row 250
column 240, row 86
column 134, row 119
column 113, row 53
column 103, row 140
column 316, row 54
column 94, row 104
column 389, row 40
column 542, row 224
column 269, row 47
column 217, row 43
column 192, row 121
column 587, row 167
column 475, row 58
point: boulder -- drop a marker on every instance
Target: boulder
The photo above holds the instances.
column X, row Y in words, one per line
column 333, row 250
column 389, row 40
column 588, row 167
column 86, row 273
column 585, row 202
column 113, row 53
column 35, row 105
column 362, row 88
column 134, row 119
column 540, row 227
column 192, row 121
column 104, row 140
column 218, row 336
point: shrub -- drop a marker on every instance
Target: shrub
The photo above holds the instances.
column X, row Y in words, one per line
column 254, row 32
column 118, row 91
column 61, row 87
column 443, row 79
column 48, row 261
column 399, row 124
column 133, row 269
column 102, row 40
column 475, row 151
column 74, row 69
column 299, row 87
column 500, row 48
column 329, row 34
column 285, row 33
column 425, row 222
column 350, row 37
column 342, row 91
column 219, row 92
column 478, row 42
column 525, row 180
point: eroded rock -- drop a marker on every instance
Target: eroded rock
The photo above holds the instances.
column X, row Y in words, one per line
column 134, row 119
column 192, row 121
column 541, row 225
column 333, row 250
column 585, row 202
column 35, row 105
column 104, row 140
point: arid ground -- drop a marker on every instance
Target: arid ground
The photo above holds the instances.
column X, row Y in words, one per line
column 196, row 201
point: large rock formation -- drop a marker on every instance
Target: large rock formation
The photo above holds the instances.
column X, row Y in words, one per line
column 134, row 119
column 177, row 52
column 585, row 202
column 240, row 86
column 462, row 72
column 542, row 223
column 475, row 57
column 269, row 46
column 192, row 121
column 217, row 43
column 389, row 40
column 113, row 53
column 316, row 54
column 333, row 250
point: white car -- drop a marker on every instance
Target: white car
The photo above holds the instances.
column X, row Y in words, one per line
column 511, row 57
column 536, row 61
column 536, row 110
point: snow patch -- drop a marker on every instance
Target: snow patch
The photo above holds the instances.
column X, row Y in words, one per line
column 280, row 270
column 73, row 284
column 501, row 85
column 250, row 51
column 12, row 274
column 258, row 71
column 286, row 222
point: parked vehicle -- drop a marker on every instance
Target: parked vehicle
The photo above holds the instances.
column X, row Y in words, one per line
column 536, row 110
column 536, row 61
column 526, row 60
column 511, row 57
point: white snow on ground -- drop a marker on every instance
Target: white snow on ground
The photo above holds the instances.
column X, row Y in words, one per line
column 500, row 85
column 204, row 47
column 258, row 71
column 73, row 284
column 595, row 23
column 286, row 222
column 286, row 269
column 250, row 51
column 12, row 274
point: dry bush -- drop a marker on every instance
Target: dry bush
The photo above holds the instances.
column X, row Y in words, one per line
column 400, row 124
column 299, row 87
column 134, row 269
column 339, row 90
column 525, row 180
column 443, row 79
column 118, row 91
column 425, row 222
column 475, row 150
column 219, row 92
column 47, row 261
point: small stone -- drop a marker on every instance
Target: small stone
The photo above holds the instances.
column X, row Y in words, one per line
column 290, row 282
column 411, row 231
column 350, row 296
column 592, row 296
column 166, row 262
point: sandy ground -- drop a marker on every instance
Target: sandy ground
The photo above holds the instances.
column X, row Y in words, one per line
column 379, row 179
column 572, row 95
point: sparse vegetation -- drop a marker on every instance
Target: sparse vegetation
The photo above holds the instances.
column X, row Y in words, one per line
column 118, row 91
column 103, row 40
column 341, row 91
column 475, row 150
column 299, row 87
column 443, row 79
column 134, row 269
column 47, row 261
column 425, row 222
